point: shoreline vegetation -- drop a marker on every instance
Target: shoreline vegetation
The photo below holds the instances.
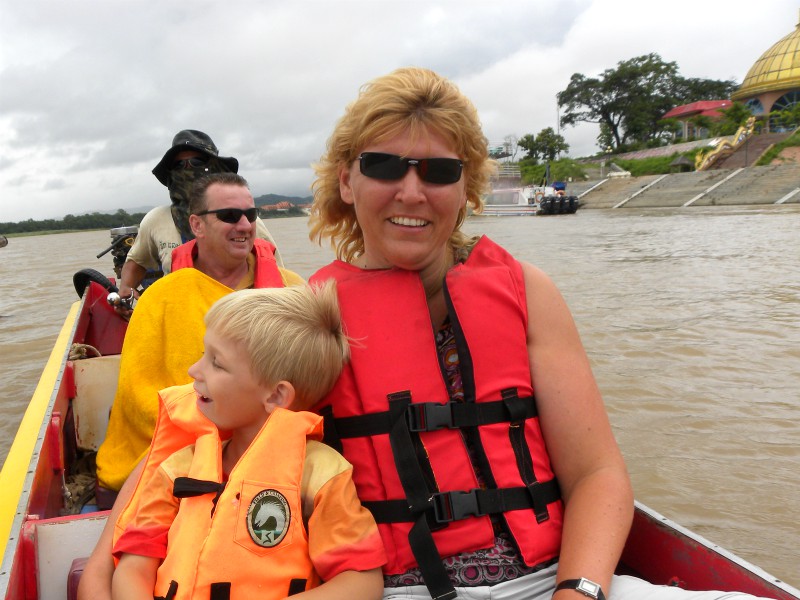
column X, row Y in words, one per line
column 98, row 221
column 566, row 169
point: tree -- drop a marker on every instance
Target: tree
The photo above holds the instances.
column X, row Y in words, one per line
column 546, row 145
column 732, row 118
column 693, row 89
column 629, row 101
column 510, row 146
column 788, row 118
column 550, row 143
column 528, row 143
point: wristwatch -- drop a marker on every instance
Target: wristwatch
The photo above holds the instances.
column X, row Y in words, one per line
column 584, row 586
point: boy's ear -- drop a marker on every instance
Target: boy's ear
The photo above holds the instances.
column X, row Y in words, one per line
column 282, row 396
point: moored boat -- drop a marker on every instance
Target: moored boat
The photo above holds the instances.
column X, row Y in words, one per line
column 509, row 202
column 66, row 420
column 528, row 201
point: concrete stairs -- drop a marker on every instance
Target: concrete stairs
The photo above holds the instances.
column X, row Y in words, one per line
column 718, row 187
column 749, row 152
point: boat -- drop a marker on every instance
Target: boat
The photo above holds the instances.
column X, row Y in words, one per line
column 529, row 201
column 509, row 202
column 45, row 532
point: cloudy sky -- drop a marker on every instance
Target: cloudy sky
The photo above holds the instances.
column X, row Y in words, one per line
column 92, row 91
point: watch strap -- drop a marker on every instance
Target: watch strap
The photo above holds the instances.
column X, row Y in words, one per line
column 584, row 586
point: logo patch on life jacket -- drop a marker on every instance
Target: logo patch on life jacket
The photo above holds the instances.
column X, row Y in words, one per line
column 268, row 518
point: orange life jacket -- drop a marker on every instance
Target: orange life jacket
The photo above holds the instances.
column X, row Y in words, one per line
column 419, row 480
column 244, row 538
column 266, row 273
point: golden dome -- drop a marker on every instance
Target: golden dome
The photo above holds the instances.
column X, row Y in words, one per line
column 777, row 69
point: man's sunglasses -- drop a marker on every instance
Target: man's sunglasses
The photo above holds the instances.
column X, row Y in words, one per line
column 379, row 165
column 185, row 163
column 231, row 215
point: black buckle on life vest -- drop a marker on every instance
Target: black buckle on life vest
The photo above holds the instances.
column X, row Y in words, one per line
column 454, row 506
column 429, row 416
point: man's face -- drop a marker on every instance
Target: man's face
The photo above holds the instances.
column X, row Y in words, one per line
column 182, row 160
column 225, row 244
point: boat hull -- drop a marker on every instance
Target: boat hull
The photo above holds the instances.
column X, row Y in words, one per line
column 39, row 544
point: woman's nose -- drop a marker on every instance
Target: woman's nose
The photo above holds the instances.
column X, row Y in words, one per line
column 411, row 186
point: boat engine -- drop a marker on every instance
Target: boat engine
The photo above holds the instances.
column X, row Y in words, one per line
column 121, row 241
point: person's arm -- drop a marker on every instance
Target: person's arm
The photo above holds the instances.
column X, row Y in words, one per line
column 134, row 578
column 347, row 585
column 344, row 543
column 584, row 454
column 95, row 582
column 130, row 277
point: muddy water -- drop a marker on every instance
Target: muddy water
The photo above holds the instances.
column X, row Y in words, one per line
column 691, row 319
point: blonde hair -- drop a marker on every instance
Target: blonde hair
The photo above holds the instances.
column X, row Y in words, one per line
column 408, row 99
column 291, row 334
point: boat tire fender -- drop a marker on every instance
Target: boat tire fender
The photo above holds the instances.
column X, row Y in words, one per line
column 82, row 278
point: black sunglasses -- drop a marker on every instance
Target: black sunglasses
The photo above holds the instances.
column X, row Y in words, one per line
column 231, row 215
column 379, row 165
column 185, row 163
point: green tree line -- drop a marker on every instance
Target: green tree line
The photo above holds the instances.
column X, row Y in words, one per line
column 74, row 223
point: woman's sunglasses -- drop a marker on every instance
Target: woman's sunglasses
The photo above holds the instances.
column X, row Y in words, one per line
column 231, row 215
column 379, row 165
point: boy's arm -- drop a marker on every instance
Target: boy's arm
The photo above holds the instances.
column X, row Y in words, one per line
column 345, row 545
column 95, row 583
column 134, row 578
column 364, row 585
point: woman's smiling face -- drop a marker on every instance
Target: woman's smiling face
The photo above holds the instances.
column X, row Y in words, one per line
column 407, row 222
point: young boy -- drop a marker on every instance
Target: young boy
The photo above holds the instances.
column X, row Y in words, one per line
column 238, row 499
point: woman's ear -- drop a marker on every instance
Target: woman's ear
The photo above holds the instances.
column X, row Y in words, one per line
column 345, row 187
column 281, row 397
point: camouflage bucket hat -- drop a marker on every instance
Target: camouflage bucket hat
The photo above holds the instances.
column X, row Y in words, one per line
column 191, row 139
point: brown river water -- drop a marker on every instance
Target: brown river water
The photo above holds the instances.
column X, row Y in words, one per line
column 691, row 318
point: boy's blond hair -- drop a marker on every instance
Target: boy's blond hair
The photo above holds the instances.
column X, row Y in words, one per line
column 291, row 334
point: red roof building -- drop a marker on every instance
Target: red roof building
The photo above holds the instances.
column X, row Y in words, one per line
column 704, row 108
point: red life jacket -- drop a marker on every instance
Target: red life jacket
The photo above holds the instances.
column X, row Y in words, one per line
column 266, row 275
column 394, row 385
column 244, row 538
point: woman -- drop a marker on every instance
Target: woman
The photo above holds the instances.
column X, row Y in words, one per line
column 451, row 452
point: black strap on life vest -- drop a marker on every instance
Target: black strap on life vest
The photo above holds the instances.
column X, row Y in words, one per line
column 186, row 487
column 428, row 416
column 220, row 590
column 171, row 592
column 412, row 478
column 297, row 586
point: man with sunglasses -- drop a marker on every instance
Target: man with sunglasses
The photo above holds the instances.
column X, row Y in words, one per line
column 165, row 335
column 193, row 155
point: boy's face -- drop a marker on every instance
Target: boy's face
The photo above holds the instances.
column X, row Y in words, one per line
column 227, row 391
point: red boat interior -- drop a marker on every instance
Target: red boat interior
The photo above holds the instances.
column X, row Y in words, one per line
column 655, row 550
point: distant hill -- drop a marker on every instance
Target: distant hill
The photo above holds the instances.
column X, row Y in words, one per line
column 267, row 199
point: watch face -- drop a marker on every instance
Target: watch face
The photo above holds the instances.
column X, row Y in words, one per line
column 590, row 588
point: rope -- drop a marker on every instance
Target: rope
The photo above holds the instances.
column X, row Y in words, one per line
column 80, row 351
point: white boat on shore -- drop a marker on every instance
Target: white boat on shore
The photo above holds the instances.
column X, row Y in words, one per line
column 528, row 201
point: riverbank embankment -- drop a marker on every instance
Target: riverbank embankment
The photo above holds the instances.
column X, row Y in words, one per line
column 772, row 184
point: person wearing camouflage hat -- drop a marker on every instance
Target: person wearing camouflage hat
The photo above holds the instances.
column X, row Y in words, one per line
column 193, row 154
